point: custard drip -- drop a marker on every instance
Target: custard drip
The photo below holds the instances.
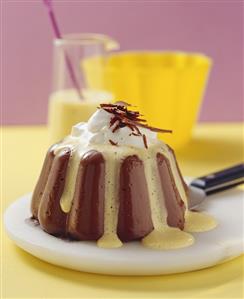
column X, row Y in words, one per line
column 162, row 237
column 69, row 187
column 158, row 208
column 111, row 205
column 73, row 166
column 169, row 155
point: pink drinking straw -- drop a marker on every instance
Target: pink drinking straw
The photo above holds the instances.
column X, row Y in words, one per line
column 57, row 33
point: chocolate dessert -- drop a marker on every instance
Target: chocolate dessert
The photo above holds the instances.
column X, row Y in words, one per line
column 113, row 181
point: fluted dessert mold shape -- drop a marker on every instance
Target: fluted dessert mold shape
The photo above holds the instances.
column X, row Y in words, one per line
column 112, row 181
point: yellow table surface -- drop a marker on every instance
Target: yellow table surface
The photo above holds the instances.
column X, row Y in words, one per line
column 213, row 146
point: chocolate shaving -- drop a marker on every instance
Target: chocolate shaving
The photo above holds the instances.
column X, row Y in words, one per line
column 144, row 140
column 113, row 143
column 135, row 134
column 157, row 130
column 122, row 103
column 113, row 120
column 116, row 126
column 123, row 117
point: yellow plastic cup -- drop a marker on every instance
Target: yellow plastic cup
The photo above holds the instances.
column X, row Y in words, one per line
column 167, row 87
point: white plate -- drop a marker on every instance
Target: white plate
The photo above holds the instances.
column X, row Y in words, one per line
column 210, row 248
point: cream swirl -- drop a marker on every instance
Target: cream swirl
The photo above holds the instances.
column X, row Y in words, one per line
column 98, row 130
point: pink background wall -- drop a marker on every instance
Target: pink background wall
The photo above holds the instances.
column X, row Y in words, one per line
column 212, row 27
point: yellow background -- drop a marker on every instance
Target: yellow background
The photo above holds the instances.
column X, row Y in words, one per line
column 214, row 146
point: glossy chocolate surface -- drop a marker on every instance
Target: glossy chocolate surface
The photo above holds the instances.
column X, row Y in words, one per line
column 41, row 183
column 86, row 218
column 134, row 219
column 51, row 218
column 174, row 204
column 178, row 168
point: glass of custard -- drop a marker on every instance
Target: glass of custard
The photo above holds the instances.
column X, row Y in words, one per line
column 72, row 100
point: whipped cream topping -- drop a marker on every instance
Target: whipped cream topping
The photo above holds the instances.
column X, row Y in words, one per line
column 99, row 131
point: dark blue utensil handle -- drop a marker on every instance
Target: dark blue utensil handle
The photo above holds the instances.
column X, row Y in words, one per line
column 221, row 180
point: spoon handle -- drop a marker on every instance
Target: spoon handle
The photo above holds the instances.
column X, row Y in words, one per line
column 220, row 180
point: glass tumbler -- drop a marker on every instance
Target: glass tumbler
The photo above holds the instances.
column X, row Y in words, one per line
column 72, row 100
